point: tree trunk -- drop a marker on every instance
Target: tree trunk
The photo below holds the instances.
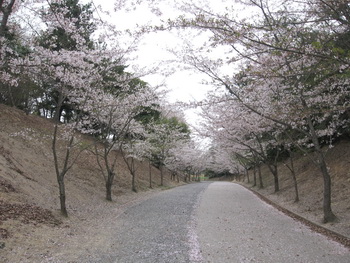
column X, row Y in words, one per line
column 294, row 177
column 133, row 184
column 276, row 180
column 62, row 191
column 161, row 175
column 150, row 175
column 327, row 208
column 133, row 174
column 273, row 169
column 247, row 175
column 108, row 191
column 295, row 187
column 254, row 173
column 57, row 114
column 261, row 185
column 60, row 175
column 109, row 183
column 328, row 215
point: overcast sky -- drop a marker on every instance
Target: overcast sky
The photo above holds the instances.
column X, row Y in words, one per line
column 183, row 85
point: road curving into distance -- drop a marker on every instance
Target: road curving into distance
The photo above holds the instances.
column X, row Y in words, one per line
column 213, row 222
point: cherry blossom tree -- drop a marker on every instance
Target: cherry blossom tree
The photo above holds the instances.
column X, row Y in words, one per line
column 289, row 66
column 236, row 130
column 186, row 158
column 63, row 69
column 135, row 147
column 129, row 158
column 62, row 56
column 164, row 134
column 113, row 121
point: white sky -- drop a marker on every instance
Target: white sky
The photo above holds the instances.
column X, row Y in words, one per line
column 183, row 85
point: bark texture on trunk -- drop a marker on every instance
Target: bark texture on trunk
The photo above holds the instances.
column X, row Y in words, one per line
column 109, row 183
column 150, row 175
column 62, row 196
column 254, row 176
column 161, row 175
column 328, row 215
column 276, row 181
column 108, row 191
column 247, row 175
column 291, row 168
column 274, row 170
column 261, row 184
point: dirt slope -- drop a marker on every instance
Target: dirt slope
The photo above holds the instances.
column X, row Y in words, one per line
column 31, row 228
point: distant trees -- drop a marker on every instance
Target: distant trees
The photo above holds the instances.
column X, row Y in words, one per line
column 186, row 159
column 165, row 134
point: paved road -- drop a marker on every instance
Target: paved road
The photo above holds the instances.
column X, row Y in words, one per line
column 236, row 226
column 214, row 222
column 157, row 230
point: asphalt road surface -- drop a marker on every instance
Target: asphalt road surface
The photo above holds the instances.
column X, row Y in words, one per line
column 236, row 226
column 215, row 222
